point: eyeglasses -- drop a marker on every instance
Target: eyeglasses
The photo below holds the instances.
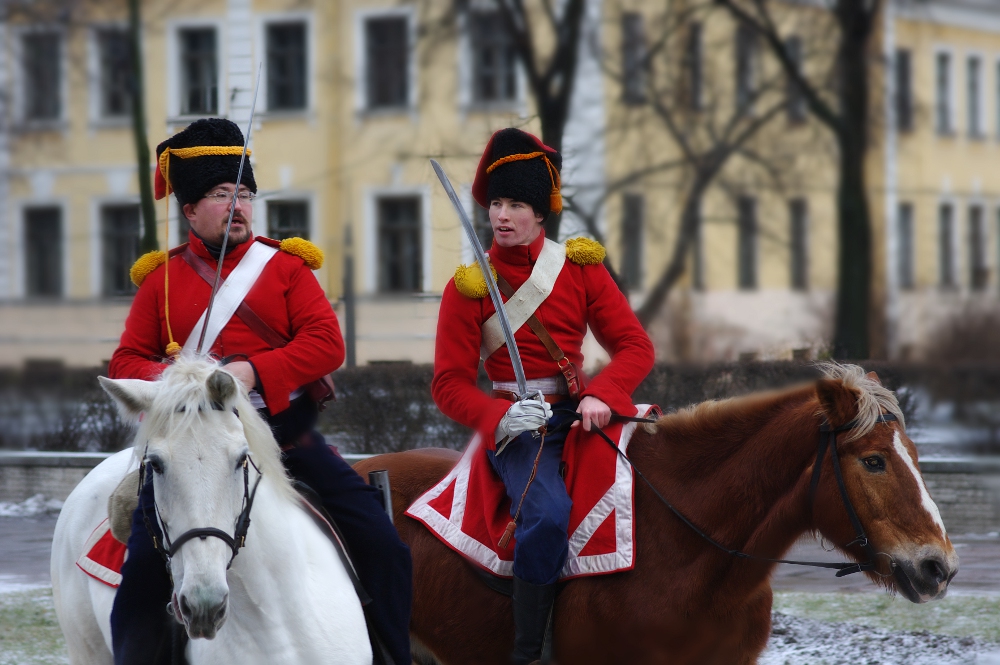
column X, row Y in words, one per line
column 226, row 197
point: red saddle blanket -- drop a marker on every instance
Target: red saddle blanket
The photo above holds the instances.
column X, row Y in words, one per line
column 103, row 556
column 469, row 508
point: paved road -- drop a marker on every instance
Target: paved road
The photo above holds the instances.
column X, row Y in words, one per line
column 25, row 544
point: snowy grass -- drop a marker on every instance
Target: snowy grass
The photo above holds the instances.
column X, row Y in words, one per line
column 809, row 629
column 958, row 615
column 29, row 632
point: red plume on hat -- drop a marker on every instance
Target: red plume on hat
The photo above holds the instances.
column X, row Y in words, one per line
column 517, row 165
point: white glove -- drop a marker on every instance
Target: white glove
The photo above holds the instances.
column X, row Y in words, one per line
column 531, row 413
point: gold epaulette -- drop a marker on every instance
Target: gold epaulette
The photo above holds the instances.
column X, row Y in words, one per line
column 305, row 250
column 146, row 264
column 584, row 251
column 470, row 282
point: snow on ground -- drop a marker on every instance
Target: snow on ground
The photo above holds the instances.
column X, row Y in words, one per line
column 36, row 505
column 796, row 641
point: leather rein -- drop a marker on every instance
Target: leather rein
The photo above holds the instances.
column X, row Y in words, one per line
column 828, row 439
column 169, row 547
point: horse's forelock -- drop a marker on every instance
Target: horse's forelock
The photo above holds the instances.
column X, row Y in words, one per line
column 873, row 397
column 184, row 396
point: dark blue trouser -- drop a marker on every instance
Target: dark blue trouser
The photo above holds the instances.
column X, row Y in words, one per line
column 541, row 547
column 140, row 625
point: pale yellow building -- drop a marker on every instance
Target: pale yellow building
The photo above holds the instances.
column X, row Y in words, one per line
column 357, row 95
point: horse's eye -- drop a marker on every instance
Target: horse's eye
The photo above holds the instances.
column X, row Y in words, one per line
column 156, row 465
column 241, row 461
column 874, row 463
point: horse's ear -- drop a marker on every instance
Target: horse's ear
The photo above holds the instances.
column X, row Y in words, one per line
column 222, row 389
column 133, row 396
column 874, row 377
column 839, row 403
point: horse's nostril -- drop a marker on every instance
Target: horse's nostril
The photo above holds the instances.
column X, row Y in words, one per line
column 185, row 608
column 933, row 570
column 220, row 613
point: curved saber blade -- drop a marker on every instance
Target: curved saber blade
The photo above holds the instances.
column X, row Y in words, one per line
column 508, row 334
column 232, row 211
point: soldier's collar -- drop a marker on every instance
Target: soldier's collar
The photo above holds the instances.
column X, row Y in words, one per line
column 518, row 254
column 203, row 249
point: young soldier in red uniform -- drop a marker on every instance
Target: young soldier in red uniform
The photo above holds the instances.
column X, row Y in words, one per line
column 290, row 339
column 518, row 182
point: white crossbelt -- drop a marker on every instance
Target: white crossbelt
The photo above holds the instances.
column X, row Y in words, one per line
column 526, row 299
column 230, row 295
column 549, row 385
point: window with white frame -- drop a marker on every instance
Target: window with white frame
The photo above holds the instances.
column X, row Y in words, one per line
column 905, row 246
column 494, row 60
column 387, row 62
column 633, row 212
column 942, row 94
column 746, row 56
column 43, row 252
column 288, row 219
column 903, row 72
column 199, row 71
column 746, row 254
column 798, row 213
column 634, row 65
column 946, row 246
column 114, row 74
column 399, row 244
column 120, row 233
column 286, row 66
column 979, row 270
column 41, row 55
column 796, row 105
column 974, row 95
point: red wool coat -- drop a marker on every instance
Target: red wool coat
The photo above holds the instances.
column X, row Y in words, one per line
column 583, row 295
column 286, row 296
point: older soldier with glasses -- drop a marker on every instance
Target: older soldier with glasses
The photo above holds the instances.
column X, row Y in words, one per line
column 281, row 343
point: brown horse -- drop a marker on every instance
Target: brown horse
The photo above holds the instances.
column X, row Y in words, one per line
column 740, row 469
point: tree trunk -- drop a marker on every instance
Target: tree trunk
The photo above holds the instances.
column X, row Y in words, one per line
column 148, row 206
column 850, row 340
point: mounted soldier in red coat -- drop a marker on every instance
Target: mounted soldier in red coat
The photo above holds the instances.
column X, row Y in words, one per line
column 553, row 293
column 272, row 324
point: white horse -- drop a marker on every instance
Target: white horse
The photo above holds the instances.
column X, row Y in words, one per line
column 287, row 597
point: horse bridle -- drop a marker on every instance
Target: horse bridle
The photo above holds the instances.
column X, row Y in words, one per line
column 828, row 439
column 168, row 548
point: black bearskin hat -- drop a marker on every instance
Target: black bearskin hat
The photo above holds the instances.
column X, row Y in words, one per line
column 200, row 157
column 517, row 165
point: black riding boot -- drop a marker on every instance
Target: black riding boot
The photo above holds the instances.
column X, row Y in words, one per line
column 532, row 609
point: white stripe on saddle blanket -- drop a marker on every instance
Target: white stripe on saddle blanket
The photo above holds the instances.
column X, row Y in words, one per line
column 549, row 385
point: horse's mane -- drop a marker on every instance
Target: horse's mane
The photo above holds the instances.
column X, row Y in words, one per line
column 717, row 416
column 183, row 398
column 873, row 397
